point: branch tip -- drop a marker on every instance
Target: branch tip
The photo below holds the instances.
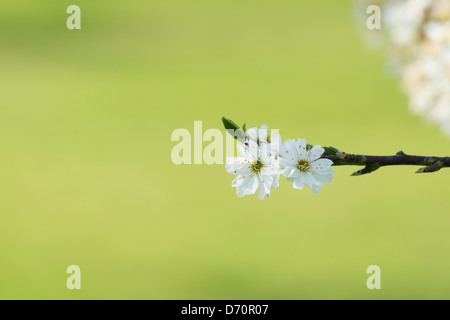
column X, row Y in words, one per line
column 438, row 165
column 367, row 169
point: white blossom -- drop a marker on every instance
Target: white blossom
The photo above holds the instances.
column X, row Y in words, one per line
column 418, row 35
column 304, row 167
column 258, row 168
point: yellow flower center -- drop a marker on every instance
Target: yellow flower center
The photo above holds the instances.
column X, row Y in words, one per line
column 303, row 165
column 257, row 166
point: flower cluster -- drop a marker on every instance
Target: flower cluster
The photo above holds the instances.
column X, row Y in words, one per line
column 418, row 34
column 263, row 159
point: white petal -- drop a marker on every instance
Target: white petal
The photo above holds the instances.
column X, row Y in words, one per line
column 236, row 181
column 252, row 133
column 327, row 171
column 262, row 134
column 309, row 179
column 324, row 178
column 315, row 153
column 239, row 180
column 288, row 171
column 265, row 153
column 301, row 148
column 285, row 162
column 298, row 182
column 270, row 171
column 243, row 150
column 288, row 150
column 261, row 193
column 275, row 183
column 321, row 164
column 244, row 170
column 237, row 166
column 247, row 185
column 276, row 145
column 267, row 182
column 230, row 161
column 316, row 187
column 253, row 150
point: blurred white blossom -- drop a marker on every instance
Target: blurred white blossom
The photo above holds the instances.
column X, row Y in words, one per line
column 417, row 33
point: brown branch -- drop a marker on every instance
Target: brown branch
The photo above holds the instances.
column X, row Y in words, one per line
column 372, row 163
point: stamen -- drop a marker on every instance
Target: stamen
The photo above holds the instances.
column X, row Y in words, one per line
column 303, row 165
column 257, row 166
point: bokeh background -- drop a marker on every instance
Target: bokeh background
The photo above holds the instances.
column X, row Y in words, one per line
column 86, row 176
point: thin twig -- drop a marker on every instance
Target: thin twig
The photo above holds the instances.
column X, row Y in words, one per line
column 372, row 163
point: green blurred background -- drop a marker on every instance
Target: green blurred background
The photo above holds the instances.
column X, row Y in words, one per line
column 86, row 176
